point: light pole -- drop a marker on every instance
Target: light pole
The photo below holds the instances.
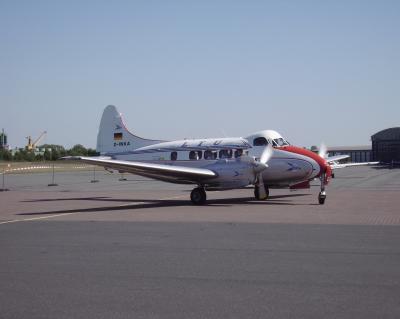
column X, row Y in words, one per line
column 4, row 189
column 53, row 183
column 94, row 180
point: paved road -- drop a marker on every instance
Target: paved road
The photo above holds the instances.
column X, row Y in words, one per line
column 115, row 250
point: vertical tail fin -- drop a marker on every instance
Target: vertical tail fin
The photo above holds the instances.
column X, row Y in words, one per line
column 114, row 137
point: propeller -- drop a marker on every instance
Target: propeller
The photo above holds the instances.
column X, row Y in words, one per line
column 260, row 167
column 323, row 151
column 266, row 154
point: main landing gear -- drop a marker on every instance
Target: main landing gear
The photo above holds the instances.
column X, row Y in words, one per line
column 198, row 196
column 257, row 193
column 322, row 193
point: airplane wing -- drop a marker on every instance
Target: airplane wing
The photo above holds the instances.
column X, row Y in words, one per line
column 336, row 166
column 170, row 173
column 336, row 158
column 333, row 161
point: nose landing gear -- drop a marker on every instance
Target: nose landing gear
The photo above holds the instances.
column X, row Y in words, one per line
column 322, row 193
column 321, row 197
column 198, row 196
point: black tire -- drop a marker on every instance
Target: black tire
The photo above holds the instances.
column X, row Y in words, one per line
column 198, row 196
column 321, row 199
column 257, row 192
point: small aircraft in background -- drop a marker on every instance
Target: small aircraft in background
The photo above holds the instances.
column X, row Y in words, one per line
column 264, row 160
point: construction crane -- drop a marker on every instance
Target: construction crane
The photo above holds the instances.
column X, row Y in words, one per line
column 32, row 146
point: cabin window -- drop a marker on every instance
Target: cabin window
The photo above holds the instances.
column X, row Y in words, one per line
column 225, row 154
column 210, row 155
column 238, row 153
column 195, row 155
column 174, row 156
column 260, row 141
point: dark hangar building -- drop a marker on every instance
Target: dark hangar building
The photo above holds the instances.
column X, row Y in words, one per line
column 386, row 145
column 385, row 148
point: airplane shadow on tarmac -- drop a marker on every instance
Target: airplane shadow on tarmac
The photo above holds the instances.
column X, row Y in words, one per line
column 148, row 203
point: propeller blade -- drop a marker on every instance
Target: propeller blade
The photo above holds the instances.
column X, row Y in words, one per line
column 323, row 151
column 261, row 166
column 266, row 154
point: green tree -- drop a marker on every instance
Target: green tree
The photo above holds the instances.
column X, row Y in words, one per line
column 29, row 156
column 39, row 157
column 17, row 156
column 53, row 151
column 47, row 154
column 92, row 152
column 78, row 150
column 55, row 154
column 5, row 155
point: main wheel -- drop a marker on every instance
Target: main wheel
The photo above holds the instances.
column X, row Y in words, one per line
column 257, row 192
column 198, row 196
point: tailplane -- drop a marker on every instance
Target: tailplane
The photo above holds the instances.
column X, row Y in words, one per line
column 114, row 137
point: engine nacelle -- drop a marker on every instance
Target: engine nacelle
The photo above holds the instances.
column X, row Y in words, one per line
column 232, row 174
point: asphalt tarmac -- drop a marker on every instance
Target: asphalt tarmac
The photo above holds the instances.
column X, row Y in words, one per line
column 139, row 249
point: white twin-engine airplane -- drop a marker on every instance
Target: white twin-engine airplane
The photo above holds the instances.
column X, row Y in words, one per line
column 263, row 160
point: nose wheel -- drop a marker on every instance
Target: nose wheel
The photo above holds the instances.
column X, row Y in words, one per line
column 322, row 193
column 198, row 196
column 321, row 198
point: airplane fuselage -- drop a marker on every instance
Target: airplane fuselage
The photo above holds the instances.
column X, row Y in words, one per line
column 226, row 157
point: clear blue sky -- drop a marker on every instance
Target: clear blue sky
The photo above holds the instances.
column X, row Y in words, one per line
column 313, row 70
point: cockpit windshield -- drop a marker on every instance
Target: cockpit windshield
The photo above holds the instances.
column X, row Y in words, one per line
column 280, row 142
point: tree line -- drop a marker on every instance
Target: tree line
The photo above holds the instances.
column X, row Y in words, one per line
column 51, row 152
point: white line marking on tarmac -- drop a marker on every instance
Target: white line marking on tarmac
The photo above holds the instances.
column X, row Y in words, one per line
column 35, row 218
column 10, row 170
